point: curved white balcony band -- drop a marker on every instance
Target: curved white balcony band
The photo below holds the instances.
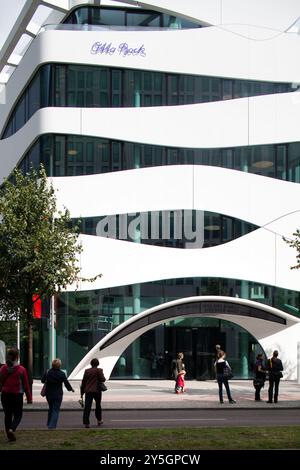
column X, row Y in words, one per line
column 265, row 322
column 246, row 121
column 205, row 51
column 260, row 256
column 245, row 196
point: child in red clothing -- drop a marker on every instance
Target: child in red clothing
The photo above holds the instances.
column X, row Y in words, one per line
column 180, row 382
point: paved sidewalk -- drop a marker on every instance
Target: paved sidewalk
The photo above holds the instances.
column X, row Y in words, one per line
column 156, row 394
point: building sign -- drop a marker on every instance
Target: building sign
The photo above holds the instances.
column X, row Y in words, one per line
column 123, row 49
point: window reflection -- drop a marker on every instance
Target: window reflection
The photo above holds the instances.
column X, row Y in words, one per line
column 128, row 17
column 67, row 155
column 93, row 86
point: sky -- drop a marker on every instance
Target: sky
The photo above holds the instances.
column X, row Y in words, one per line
column 9, row 9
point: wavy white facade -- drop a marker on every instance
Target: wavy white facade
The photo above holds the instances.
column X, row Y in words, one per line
column 253, row 40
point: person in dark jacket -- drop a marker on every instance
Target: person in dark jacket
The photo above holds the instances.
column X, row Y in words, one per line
column 260, row 376
column 220, row 365
column 89, row 386
column 54, row 378
column 275, row 369
column 13, row 384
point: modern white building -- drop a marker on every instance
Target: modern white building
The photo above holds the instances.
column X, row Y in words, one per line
column 171, row 129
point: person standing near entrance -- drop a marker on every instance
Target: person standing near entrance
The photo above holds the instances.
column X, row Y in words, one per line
column 13, row 384
column 218, row 349
column 221, row 364
column 177, row 367
column 260, row 376
column 275, row 369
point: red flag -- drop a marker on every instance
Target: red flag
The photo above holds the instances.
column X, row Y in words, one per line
column 37, row 307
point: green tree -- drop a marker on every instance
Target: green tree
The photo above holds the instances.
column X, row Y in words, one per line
column 38, row 248
column 295, row 243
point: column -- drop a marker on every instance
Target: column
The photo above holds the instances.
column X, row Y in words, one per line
column 136, row 362
column 244, row 355
column 52, row 332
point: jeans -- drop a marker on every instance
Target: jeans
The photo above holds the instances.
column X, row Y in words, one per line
column 222, row 380
column 53, row 412
column 13, row 409
column 89, row 397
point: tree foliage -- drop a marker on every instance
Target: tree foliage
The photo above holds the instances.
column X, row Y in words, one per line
column 38, row 246
column 295, row 243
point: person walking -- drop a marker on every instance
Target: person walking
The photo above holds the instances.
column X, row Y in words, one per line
column 260, row 376
column 54, row 378
column 13, row 384
column 275, row 368
column 90, row 387
column 222, row 367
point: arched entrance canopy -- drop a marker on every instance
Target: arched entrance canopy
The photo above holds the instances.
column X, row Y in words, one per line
column 258, row 319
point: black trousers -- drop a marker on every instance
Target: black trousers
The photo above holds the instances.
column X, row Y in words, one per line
column 13, row 409
column 258, row 388
column 89, row 397
column 273, row 381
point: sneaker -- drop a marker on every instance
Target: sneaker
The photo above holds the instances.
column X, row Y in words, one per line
column 221, row 402
column 100, row 422
column 87, row 426
column 11, row 435
column 232, row 401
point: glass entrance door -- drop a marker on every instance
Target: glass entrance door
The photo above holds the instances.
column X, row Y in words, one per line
column 198, row 346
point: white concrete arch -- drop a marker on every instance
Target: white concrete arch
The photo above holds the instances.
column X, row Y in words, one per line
column 261, row 321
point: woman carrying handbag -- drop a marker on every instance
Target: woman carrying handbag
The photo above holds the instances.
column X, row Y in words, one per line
column 223, row 374
column 92, row 388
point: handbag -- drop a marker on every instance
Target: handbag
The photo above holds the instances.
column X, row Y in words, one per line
column 227, row 373
column 102, row 387
column 44, row 388
column 81, row 402
column 258, row 383
column 43, row 391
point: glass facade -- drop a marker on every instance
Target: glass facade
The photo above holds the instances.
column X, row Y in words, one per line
column 83, row 318
column 176, row 229
column 70, row 155
column 127, row 17
column 71, row 85
column 150, row 356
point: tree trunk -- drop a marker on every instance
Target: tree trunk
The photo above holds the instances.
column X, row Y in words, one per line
column 30, row 354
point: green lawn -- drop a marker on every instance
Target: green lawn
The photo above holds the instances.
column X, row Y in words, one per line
column 284, row 437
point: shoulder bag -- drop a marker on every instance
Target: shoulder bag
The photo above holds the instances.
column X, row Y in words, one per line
column 227, row 372
column 102, row 387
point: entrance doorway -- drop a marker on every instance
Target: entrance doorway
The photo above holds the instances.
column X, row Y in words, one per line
column 198, row 346
column 150, row 356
